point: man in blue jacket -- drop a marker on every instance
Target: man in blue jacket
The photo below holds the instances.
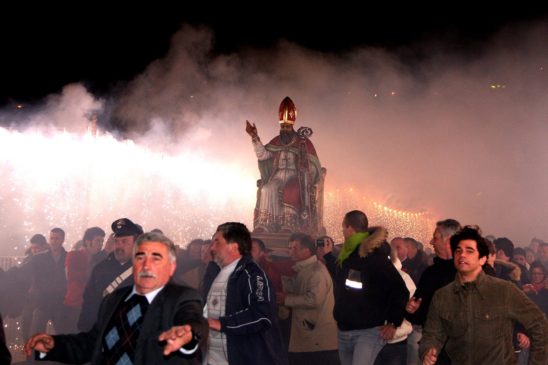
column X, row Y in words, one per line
column 241, row 305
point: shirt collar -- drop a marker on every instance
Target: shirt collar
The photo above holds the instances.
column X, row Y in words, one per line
column 476, row 284
column 150, row 295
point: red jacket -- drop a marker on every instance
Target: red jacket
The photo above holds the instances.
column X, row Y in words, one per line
column 78, row 269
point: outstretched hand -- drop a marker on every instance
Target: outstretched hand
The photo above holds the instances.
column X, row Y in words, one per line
column 41, row 342
column 176, row 337
column 251, row 129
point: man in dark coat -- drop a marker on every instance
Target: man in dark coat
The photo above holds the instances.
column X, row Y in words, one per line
column 170, row 326
column 114, row 271
column 370, row 295
column 48, row 284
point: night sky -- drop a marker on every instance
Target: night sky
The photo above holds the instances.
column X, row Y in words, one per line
column 439, row 94
column 45, row 48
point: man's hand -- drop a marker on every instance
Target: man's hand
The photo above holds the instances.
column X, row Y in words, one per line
column 176, row 337
column 430, row 357
column 41, row 342
column 251, row 129
column 214, row 324
column 523, row 340
column 387, row 332
column 413, row 305
column 529, row 288
column 327, row 248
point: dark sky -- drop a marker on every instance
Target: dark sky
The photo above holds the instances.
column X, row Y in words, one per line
column 414, row 92
column 45, row 48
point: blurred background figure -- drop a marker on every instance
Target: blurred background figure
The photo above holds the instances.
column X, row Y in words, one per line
column 78, row 269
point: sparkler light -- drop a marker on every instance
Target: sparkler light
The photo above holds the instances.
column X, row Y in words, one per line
column 75, row 181
column 418, row 225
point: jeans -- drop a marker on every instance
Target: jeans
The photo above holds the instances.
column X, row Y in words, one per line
column 413, row 346
column 359, row 347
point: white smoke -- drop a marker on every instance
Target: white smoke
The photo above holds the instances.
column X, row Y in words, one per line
column 457, row 136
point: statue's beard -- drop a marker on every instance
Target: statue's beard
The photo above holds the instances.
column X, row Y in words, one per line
column 287, row 136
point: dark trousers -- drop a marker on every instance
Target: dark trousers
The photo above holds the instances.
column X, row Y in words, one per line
column 317, row 358
column 393, row 354
column 443, row 359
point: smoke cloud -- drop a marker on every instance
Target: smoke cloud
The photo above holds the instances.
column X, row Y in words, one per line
column 459, row 136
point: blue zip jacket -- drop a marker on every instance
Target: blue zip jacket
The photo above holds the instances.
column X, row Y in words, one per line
column 250, row 323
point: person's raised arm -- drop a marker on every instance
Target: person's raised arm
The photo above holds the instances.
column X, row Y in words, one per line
column 251, row 130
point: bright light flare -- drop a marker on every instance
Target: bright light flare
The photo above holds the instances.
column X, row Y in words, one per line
column 75, row 181
column 61, row 179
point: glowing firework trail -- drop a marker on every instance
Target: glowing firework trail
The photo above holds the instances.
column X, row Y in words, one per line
column 76, row 181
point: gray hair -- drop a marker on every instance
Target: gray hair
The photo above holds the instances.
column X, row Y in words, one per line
column 448, row 227
column 156, row 237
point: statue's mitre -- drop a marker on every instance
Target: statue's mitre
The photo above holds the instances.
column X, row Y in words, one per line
column 287, row 112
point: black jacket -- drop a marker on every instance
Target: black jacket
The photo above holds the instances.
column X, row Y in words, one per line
column 441, row 273
column 101, row 276
column 383, row 294
column 49, row 282
column 174, row 305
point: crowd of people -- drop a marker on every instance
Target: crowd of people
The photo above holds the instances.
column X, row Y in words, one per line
column 140, row 299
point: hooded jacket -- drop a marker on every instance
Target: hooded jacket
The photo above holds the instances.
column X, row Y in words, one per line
column 369, row 291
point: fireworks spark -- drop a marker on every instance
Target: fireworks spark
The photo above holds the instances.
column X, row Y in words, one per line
column 79, row 180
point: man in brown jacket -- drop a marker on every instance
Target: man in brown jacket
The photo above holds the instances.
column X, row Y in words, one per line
column 309, row 294
column 474, row 315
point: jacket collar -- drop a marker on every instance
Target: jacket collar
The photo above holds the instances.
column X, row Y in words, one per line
column 244, row 260
column 439, row 261
column 478, row 285
column 300, row 265
column 509, row 268
column 377, row 236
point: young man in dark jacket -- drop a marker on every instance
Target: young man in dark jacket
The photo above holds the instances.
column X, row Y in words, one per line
column 474, row 316
column 370, row 295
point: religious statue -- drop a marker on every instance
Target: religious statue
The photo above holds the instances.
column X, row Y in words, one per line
column 290, row 191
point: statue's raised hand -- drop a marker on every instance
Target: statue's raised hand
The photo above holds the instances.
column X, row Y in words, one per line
column 251, row 129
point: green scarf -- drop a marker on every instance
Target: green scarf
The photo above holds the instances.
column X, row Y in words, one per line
column 350, row 245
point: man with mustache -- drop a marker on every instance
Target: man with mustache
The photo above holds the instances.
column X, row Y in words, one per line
column 113, row 272
column 151, row 322
column 290, row 170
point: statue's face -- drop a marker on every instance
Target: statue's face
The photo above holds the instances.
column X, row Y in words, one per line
column 286, row 132
column 286, row 128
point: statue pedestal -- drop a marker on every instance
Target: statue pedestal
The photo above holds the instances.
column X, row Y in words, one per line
column 275, row 241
